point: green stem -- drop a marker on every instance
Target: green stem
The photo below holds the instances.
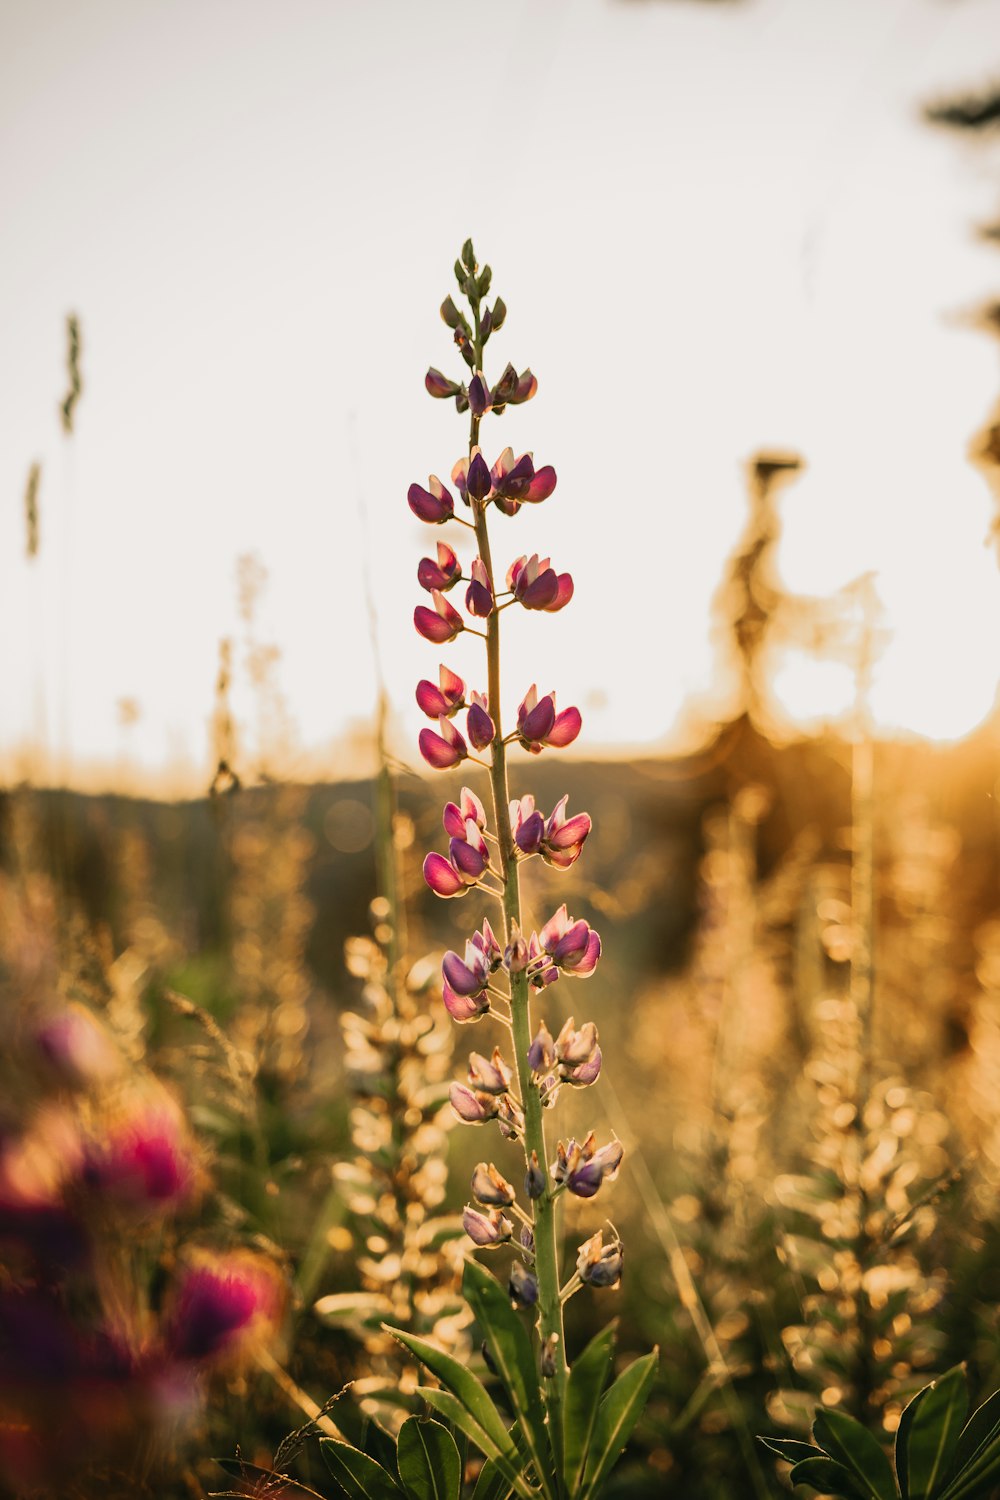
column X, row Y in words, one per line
column 550, row 1313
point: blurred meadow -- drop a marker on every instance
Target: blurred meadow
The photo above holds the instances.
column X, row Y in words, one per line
column 751, row 248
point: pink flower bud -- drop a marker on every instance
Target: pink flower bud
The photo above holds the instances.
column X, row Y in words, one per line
column 464, row 1008
column 442, row 877
column 440, row 624
column 480, row 727
column 564, row 837
column 468, row 976
column 456, row 817
column 443, row 574
column 472, row 1108
column 488, row 946
column 536, row 585
column 433, row 504
column 489, row 1075
column 538, row 723
column 445, row 699
column 487, row 1230
column 573, row 946
column 445, row 749
column 528, row 824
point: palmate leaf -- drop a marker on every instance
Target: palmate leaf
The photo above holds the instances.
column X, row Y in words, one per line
column 619, row 1411
column 359, row 1476
column 933, row 1433
column 428, row 1461
column 587, row 1379
column 858, row 1451
column 510, row 1350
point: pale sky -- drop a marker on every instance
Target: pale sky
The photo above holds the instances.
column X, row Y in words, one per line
column 716, row 227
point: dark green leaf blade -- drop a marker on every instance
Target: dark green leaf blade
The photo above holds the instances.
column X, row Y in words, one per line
column 933, row 1433
column 451, row 1408
column 510, row 1349
column 827, row 1476
column 903, row 1438
column 587, row 1379
column 980, row 1474
column 358, row 1475
column 983, row 1425
column 619, row 1411
column 428, row 1461
column 860, row 1453
column 471, row 1393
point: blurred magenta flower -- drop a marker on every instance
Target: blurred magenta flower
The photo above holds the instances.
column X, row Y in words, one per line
column 74, row 1048
column 141, row 1155
column 222, row 1306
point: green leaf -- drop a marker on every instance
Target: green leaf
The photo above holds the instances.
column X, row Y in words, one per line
column 587, row 1379
column 505, row 1463
column 854, row 1446
column 824, row 1474
column 981, row 1426
column 792, row 1450
column 979, row 1476
column 619, row 1411
column 359, row 1476
column 510, row 1350
column 491, row 1485
column 938, row 1413
column 471, row 1393
column 899, row 1452
column 428, row 1460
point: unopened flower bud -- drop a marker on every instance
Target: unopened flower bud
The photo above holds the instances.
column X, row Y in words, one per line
column 499, row 314
column 510, row 1118
column 541, row 1053
column 573, row 1047
column 441, row 574
column 480, row 400
column 599, row 1264
column 478, row 481
column 527, row 1242
column 490, row 1075
column 479, row 599
column 433, row 504
column 573, row 946
column 464, row 1008
column 515, row 957
column 534, row 1178
column 539, row 724
column 457, row 816
column 438, row 385
column 444, row 699
column 582, row 1167
column 522, row 1287
column 472, row 1108
column 483, row 284
column 487, row 1230
column 442, row 877
column 469, row 257
column 479, row 726
column 490, row 1188
column 440, row 624
column 451, row 314
column 444, row 750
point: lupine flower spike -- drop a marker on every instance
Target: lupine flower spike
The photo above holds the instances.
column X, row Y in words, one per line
column 501, row 974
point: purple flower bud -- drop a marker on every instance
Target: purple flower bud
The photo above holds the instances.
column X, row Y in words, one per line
column 541, row 1053
column 480, row 727
column 536, row 585
column 522, row 1287
column 466, row 978
column 439, row 385
column 564, row 837
column 433, row 504
column 490, row 1075
column 443, row 574
column 598, row 1264
column 445, row 749
column 480, row 400
column 534, row 1177
column 490, row 1188
column 538, row 723
column 527, row 1242
column 510, row 1118
column 442, row 877
column 582, row 1167
column 585, row 1073
column 572, row 945
column 440, row 624
column 464, row 1008
column 470, row 859
column 474, row 1109
column 488, row 946
column 444, row 700
column 487, row 1230
column 478, row 483
column 479, row 599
